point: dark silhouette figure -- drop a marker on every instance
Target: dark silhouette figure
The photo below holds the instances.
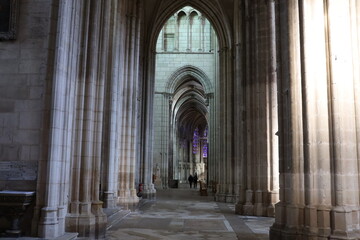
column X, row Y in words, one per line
column 191, row 179
column 195, row 179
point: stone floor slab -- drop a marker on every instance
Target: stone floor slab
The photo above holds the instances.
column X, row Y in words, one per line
column 184, row 214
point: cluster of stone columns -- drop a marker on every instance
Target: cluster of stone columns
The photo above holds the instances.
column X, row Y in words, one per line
column 319, row 140
column 249, row 150
column 286, row 100
column 94, row 123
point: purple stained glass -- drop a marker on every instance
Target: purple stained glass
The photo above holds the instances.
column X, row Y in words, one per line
column 205, row 143
column 196, row 141
column 205, row 149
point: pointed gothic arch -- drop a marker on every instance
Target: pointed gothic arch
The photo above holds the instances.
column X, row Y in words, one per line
column 209, row 8
column 221, row 94
column 183, row 73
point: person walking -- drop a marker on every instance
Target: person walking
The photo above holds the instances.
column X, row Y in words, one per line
column 191, row 179
column 195, row 179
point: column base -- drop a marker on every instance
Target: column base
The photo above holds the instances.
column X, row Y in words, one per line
column 87, row 219
column 259, row 209
column 345, row 223
column 248, row 209
column 100, row 219
column 220, row 197
column 158, row 183
column 230, row 198
column 48, row 225
column 109, row 200
column 149, row 192
column 270, row 210
column 127, row 197
column 239, row 209
column 312, row 223
column 62, row 211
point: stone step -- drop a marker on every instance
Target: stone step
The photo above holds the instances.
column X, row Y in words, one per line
column 115, row 215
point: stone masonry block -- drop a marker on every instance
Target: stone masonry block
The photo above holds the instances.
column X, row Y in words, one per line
column 27, row 137
column 30, row 120
column 9, row 66
column 6, row 106
column 10, row 152
column 17, row 93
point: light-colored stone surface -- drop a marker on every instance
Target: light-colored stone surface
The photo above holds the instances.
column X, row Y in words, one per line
column 78, row 96
column 184, row 214
column 191, row 56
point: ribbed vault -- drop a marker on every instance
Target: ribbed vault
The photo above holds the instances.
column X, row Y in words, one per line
column 189, row 108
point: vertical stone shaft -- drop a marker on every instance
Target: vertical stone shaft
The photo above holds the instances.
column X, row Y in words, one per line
column 79, row 116
column 239, row 102
column 87, row 153
column 124, row 170
column 110, row 184
column 258, row 98
column 127, row 191
column 289, row 211
column 273, row 149
column 138, row 8
column 146, row 137
column 355, row 25
column 122, row 37
column 248, row 206
column 316, row 121
column 51, row 221
column 102, row 76
column 343, row 116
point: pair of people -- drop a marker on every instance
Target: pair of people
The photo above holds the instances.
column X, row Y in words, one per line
column 193, row 179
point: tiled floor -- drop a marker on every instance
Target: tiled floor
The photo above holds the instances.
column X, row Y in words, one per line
column 184, row 214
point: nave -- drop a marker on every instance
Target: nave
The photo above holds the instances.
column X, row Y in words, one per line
column 184, row 214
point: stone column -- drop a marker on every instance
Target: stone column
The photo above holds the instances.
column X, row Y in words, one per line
column 317, row 154
column 225, row 191
column 248, row 207
column 221, row 148
column 289, row 211
column 272, row 115
column 331, row 183
column 259, row 110
column 170, row 139
column 86, row 216
column 211, row 178
column 53, row 182
column 103, row 73
column 127, row 191
column 115, row 106
column 239, row 101
column 345, row 212
column 355, row 28
column 146, row 133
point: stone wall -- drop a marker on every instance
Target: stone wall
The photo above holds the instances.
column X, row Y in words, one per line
column 25, row 70
column 24, row 74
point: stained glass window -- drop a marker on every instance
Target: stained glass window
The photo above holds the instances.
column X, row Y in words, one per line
column 205, row 149
column 196, row 141
column 205, row 143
